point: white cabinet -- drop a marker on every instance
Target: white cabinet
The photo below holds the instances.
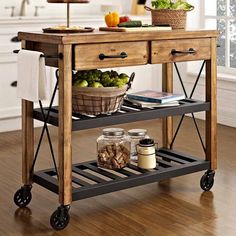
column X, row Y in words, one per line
column 9, row 103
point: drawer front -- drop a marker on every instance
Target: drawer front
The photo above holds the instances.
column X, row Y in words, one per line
column 185, row 50
column 87, row 55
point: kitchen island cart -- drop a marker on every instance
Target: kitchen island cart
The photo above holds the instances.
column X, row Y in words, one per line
column 86, row 51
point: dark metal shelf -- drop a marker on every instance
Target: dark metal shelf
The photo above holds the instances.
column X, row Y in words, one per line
column 126, row 114
column 89, row 180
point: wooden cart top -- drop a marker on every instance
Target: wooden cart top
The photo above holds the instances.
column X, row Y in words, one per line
column 101, row 37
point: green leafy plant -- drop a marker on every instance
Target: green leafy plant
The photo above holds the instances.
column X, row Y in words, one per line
column 170, row 4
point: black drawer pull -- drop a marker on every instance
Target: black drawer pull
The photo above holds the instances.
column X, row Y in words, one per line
column 14, row 84
column 15, row 39
column 122, row 55
column 190, row 51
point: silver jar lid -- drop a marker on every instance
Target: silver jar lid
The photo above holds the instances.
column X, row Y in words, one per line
column 137, row 132
column 113, row 132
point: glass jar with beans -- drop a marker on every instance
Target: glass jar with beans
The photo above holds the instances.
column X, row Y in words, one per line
column 113, row 149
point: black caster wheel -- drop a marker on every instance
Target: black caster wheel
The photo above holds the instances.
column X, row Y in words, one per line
column 60, row 218
column 207, row 180
column 23, row 196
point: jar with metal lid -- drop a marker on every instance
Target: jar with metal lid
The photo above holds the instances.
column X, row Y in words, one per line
column 135, row 135
column 113, row 149
column 146, row 150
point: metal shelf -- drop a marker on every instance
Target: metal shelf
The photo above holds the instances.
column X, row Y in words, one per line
column 89, row 180
column 126, row 114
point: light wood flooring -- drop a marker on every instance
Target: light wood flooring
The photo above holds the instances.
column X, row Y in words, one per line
column 176, row 207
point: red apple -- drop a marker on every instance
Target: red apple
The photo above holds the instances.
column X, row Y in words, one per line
column 124, row 19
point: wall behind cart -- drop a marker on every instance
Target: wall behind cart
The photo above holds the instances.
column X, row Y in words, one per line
column 59, row 9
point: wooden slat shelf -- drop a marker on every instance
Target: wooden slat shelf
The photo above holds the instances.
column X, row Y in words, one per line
column 127, row 114
column 105, row 181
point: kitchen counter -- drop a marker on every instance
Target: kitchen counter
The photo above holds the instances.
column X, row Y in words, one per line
column 24, row 20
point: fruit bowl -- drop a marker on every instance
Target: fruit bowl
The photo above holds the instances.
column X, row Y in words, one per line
column 95, row 101
column 98, row 100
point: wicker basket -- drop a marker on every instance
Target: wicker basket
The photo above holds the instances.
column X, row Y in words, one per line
column 175, row 18
column 95, row 101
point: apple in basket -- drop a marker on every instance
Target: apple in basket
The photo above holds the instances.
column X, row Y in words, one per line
column 98, row 79
column 96, row 92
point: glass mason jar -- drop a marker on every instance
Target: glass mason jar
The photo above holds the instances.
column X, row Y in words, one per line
column 146, row 150
column 135, row 135
column 113, row 149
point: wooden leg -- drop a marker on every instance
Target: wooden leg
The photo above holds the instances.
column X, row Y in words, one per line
column 27, row 141
column 167, row 86
column 27, row 135
column 65, row 125
column 211, row 116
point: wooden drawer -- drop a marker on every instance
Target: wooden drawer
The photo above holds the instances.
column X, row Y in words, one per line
column 87, row 55
column 162, row 50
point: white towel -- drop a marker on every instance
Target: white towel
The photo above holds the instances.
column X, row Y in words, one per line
column 32, row 83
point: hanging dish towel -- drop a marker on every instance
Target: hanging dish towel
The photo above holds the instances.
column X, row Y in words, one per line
column 32, row 84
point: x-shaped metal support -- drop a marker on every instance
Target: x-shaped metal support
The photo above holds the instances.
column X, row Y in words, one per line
column 186, row 95
column 45, row 128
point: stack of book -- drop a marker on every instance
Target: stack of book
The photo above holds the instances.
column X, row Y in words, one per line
column 153, row 99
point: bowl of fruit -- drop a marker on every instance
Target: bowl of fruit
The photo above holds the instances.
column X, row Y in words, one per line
column 97, row 92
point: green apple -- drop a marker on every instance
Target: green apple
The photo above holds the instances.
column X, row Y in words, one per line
column 81, row 84
column 96, row 85
column 124, row 77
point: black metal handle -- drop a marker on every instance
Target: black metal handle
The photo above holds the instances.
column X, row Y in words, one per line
column 14, row 84
column 190, row 51
column 59, row 56
column 131, row 79
column 15, row 39
column 122, row 55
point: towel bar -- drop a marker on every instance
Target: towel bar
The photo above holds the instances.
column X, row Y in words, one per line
column 59, row 56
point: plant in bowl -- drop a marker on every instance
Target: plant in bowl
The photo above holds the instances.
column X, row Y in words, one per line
column 170, row 12
column 171, row 4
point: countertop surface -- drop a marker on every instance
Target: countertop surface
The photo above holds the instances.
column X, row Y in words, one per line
column 98, row 36
column 21, row 20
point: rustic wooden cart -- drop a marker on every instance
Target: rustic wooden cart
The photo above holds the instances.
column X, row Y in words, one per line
column 102, row 50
